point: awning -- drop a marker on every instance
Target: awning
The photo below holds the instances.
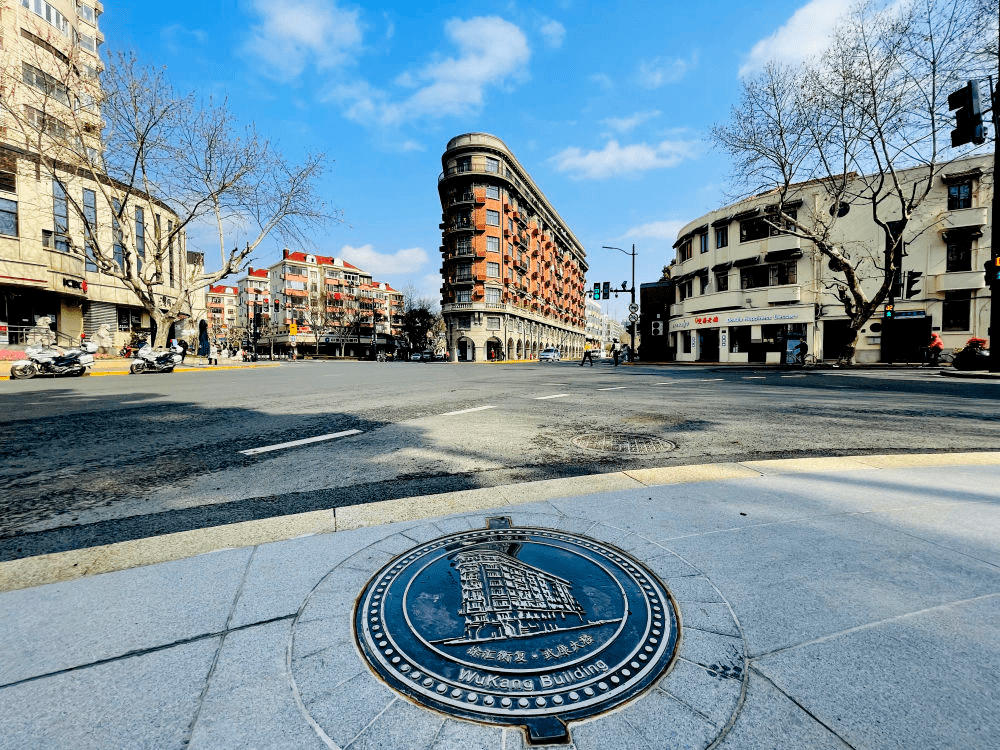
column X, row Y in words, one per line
column 700, row 230
column 956, row 177
column 722, row 266
column 700, row 272
column 723, row 222
column 962, row 233
column 753, row 260
column 743, row 215
column 779, row 255
column 683, row 238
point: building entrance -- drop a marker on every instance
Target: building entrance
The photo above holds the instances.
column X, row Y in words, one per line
column 708, row 345
column 904, row 339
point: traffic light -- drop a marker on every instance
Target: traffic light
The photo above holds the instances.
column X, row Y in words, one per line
column 992, row 270
column 889, row 307
column 657, row 328
column 607, row 289
column 969, row 118
column 912, row 278
column 597, row 290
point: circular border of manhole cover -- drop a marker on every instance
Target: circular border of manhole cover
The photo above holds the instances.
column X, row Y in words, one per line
column 518, row 627
column 609, row 442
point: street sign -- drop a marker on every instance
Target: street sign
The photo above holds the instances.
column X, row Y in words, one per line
column 632, row 317
column 633, row 308
column 291, row 339
column 293, row 329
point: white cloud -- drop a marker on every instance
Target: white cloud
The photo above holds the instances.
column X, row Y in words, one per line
column 660, row 71
column 603, row 80
column 806, row 34
column 293, row 33
column 554, row 33
column 490, row 52
column 657, row 230
column 627, row 124
column 381, row 264
column 614, row 160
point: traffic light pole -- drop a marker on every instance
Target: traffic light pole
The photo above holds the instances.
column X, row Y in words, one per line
column 632, row 307
column 994, row 328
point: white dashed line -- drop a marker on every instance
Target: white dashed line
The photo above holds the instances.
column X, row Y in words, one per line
column 754, row 377
column 467, row 411
column 709, row 380
column 304, row 441
column 666, row 382
column 556, row 395
column 616, row 388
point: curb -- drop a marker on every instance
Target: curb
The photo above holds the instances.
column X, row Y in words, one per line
column 200, row 368
column 56, row 567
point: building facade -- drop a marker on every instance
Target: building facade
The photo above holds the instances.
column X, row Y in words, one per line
column 602, row 330
column 333, row 306
column 748, row 293
column 513, row 271
column 51, row 64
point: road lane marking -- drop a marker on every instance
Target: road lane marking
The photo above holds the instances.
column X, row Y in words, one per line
column 466, row 411
column 553, row 383
column 665, row 382
column 616, row 388
column 556, row 395
column 709, row 380
column 304, row 441
column 754, row 377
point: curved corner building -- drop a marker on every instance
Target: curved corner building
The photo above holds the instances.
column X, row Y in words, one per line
column 513, row 271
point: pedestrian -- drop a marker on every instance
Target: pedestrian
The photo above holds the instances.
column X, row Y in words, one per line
column 184, row 348
column 934, row 349
column 588, row 354
column 616, row 351
column 213, row 354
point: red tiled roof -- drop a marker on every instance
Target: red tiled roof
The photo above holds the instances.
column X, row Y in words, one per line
column 260, row 273
column 222, row 289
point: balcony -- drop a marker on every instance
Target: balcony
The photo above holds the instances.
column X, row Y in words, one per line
column 954, row 281
column 783, row 294
column 716, row 301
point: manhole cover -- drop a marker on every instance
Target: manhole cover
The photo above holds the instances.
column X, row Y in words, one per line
column 517, row 626
column 635, row 444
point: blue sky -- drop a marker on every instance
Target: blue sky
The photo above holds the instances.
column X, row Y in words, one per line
column 607, row 105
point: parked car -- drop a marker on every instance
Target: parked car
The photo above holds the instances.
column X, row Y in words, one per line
column 548, row 355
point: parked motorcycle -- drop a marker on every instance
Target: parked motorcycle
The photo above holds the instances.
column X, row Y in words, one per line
column 148, row 359
column 51, row 360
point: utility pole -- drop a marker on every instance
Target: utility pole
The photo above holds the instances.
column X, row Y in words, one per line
column 994, row 236
column 632, row 308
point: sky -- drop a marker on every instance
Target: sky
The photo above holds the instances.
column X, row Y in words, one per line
column 608, row 106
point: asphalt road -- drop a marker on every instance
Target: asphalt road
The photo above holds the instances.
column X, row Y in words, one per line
column 104, row 459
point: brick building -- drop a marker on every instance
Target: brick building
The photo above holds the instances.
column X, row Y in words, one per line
column 513, row 271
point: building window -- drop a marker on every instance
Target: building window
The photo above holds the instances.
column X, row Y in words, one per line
column 959, row 256
column 761, row 227
column 722, row 281
column 90, row 230
column 721, row 236
column 685, row 289
column 44, row 10
column 116, row 233
column 957, row 306
column 140, row 239
column 86, row 12
column 465, row 321
column 703, row 243
column 493, row 218
column 463, row 272
column 493, row 191
column 493, row 244
column 493, row 296
column 684, row 251
column 464, row 164
column 703, row 288
column 45, row 123
column 8, row 217
column 686, row 342
column 493, row 269
column 492, row 321
column 492, row 165
column 960, row 196
column 45, row 83
column 783, row 273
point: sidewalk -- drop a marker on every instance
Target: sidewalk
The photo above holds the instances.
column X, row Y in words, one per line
column 823, row 603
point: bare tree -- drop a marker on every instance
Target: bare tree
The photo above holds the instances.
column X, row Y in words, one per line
column 873, row 105
column 146, row 146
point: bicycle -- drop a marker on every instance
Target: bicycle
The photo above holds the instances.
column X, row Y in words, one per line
column 380, row 357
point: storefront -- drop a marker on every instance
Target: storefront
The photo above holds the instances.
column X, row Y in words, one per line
column 755, row 336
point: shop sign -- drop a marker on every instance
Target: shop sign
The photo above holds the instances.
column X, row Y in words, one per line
column 3, row 333
column 762, row 318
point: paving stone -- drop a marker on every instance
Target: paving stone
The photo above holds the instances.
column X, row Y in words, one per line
column 609, row 732
column 400, row 727
column 73, row 623
column 249, row 702
column 924, row 680
column 345, row 711
column 665, row 723
column 377, row 555
column 827, row 575
column 464, row 735
column 693, row 589
column 712, row 693
column 140, row 702
column 721, row 652
column 768, row 720
column 714, row 617
column 668, row 566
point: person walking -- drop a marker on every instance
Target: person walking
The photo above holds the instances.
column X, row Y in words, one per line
column 616, row 351
column 588, row 354
column 934, row 349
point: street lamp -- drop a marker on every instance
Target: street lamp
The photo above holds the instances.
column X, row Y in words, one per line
column 632, row 290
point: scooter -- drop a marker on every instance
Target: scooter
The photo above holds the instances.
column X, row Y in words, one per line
column 148, row 359
column 50, row 360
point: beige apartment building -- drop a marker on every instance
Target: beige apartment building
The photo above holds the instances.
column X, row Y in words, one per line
column 513, row 271
column 51, row 61
column 744, row 290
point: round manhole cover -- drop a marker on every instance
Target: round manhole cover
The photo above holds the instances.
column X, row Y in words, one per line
column 634, row 444
column 517, row 626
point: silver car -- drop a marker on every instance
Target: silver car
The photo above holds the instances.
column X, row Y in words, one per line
column 549, row 355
